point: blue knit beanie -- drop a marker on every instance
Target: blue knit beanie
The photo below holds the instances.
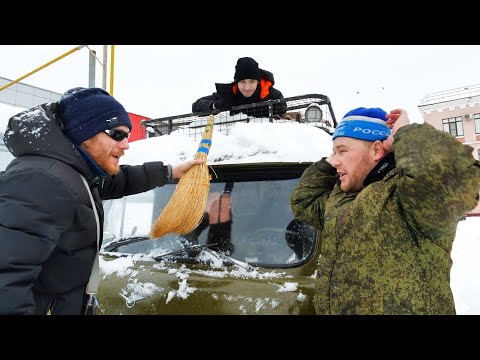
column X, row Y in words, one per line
column 364, row 124
column 89, row 111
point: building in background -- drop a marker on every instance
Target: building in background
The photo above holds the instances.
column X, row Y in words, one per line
column 456, row 111
column 25, row 96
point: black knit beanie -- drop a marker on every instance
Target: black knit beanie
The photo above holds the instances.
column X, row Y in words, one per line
column 246, row 68
column 89, row 111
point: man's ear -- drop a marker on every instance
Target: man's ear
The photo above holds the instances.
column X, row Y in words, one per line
column 378, row 150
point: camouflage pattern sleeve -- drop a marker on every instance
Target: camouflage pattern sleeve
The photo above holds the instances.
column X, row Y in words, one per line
column 440, row 178
column 309, row 196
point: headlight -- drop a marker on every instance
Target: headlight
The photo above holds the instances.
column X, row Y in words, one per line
column 313, row 113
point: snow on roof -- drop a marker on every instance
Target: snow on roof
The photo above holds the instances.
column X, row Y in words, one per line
column 245, row 143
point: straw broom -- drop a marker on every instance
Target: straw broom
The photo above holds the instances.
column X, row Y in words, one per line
column 186, row 207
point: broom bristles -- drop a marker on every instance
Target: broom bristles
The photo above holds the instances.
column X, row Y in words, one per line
column 186, row 207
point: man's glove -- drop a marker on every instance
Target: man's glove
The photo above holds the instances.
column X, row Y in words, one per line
column 224, row 103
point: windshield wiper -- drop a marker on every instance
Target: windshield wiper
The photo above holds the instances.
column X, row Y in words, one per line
column 115, row 244
column 186, row 249
column 230, row 260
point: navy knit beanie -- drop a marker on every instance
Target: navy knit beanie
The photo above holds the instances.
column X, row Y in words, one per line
column 89, row 111
column 364, row 124
column 247, row 68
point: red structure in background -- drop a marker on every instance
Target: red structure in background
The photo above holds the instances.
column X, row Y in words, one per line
column 138, row 132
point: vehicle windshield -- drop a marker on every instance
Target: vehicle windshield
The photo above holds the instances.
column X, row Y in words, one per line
column 250, row 221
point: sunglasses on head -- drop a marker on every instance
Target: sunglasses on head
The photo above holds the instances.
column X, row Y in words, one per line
column 117, row 135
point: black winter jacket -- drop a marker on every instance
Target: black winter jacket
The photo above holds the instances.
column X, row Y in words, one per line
column 228, row 95
column 47, row 224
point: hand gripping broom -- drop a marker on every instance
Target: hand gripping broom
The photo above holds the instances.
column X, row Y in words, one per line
column 186, row 207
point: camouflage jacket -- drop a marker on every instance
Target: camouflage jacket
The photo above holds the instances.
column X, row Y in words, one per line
column 386, row 249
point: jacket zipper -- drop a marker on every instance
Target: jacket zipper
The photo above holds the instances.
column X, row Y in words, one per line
column 51, row 306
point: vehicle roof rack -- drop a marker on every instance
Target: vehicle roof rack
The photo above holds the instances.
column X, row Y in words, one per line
column 311, row 109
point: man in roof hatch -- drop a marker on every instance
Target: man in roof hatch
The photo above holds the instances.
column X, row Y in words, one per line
column 251, row 85
column 387, row 202
column 50, row 225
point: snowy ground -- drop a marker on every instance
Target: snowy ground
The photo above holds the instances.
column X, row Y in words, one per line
column 465, row 275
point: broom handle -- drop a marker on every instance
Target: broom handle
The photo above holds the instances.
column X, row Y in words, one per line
column 206, row 141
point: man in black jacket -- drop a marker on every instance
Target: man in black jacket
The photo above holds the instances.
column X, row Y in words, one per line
column 48, row 230
column 251, row 85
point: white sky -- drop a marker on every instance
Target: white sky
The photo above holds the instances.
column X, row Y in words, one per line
column 164, row 80
column 284, row 142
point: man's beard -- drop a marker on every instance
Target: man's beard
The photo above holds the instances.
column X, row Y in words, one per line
column 358, row 175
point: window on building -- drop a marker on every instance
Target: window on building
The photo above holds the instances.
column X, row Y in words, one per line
column 477, row 123
column 453, row 126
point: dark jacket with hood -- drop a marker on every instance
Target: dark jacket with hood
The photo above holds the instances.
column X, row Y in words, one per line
column 228, row 95
column 386, row 249
column 48, row 232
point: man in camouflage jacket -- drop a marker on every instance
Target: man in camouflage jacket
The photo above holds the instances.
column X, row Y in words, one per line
column 387, row 204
